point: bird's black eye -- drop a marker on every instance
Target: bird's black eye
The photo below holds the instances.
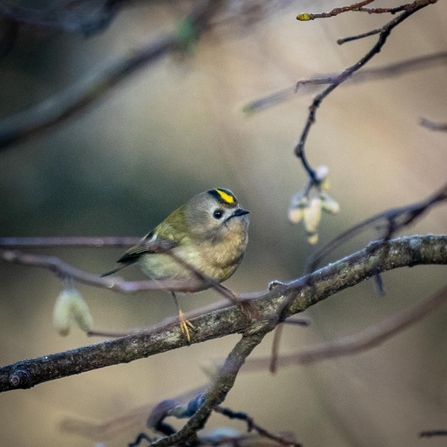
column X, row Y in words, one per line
column 218, row 214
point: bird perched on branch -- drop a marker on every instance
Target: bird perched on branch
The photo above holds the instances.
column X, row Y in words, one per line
column 197, row 246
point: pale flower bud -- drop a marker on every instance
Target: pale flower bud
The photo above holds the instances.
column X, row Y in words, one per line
column 298, row 200
column 329, row 204
column 296, row 209
column 69, row 307
column 62, row 313
column 303, row 208
column 295, row 215
column 324, row 185
column 321, row 172
column 81, row 313
column 312, row 217
column 312, row 238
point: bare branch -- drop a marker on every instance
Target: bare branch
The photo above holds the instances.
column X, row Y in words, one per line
column 63, row 270
column 372, row 32
column 220, row 388
column 183, row 406
column 432, row 125
column 358, row 7
column 347, row 73
column 273, row 364
column 361, row 341
column 400, row 8
column 68, row 242
column 430, row 433
column 392, row 220
column 55, row 110
column 252, row 425
column 308, row 86
column 285, row 300
column 104, row 431
column 46, row 115
column 335, row 12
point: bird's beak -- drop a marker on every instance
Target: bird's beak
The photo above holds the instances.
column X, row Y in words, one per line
column 240, row 212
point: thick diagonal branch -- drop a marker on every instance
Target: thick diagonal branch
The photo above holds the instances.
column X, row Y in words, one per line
column 220, row 388
column 298, row 295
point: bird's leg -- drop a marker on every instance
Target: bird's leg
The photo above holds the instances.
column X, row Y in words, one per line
column 228, row 293
column 184, row 323
column 247, row 306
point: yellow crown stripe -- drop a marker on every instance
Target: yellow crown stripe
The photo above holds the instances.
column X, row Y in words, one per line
column 227, row 198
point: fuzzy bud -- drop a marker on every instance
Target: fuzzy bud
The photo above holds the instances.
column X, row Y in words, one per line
column 298, row 203
column 303, row 17
column 321, row 172
column 62, row 313
column 329, row 204
column 69, row 307
column 295, row 215
column 312, row 217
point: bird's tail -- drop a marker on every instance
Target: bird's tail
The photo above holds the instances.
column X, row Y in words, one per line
column 117, row 269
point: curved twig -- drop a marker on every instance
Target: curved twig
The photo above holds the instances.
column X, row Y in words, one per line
column 360, row 341
column 384, row 33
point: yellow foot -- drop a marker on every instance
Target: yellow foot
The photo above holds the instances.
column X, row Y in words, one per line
column 185, row 325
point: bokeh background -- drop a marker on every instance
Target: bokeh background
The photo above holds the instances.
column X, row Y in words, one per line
column 176, row 128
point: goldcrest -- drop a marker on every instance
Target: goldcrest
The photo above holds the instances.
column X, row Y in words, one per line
column 208, row 235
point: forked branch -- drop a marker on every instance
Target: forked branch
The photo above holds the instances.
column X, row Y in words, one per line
column 285, row 300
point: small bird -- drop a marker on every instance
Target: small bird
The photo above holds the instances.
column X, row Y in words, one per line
column 202, row 243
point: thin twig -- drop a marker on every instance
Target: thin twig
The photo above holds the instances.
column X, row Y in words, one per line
column 432, row 125
column 393, row 220
column 395, row 10
column 68, row 242
column 63, row 270
column 372, row 32
column 359, row 7
column 252, row 425
column 361, row 341
column 275, row 349
column 364, row 75
column 334, row 12
column 431, row 433
column 347, row 73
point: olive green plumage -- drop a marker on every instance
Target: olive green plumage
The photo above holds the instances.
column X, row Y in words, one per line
column 209, row 234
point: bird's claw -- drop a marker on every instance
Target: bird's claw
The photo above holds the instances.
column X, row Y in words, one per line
column 185, row 325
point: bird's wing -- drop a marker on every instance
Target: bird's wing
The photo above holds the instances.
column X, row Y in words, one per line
column 164, row 237
column 153, row 242
column 149, row 244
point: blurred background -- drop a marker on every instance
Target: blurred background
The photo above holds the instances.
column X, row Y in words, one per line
column 176, row 128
